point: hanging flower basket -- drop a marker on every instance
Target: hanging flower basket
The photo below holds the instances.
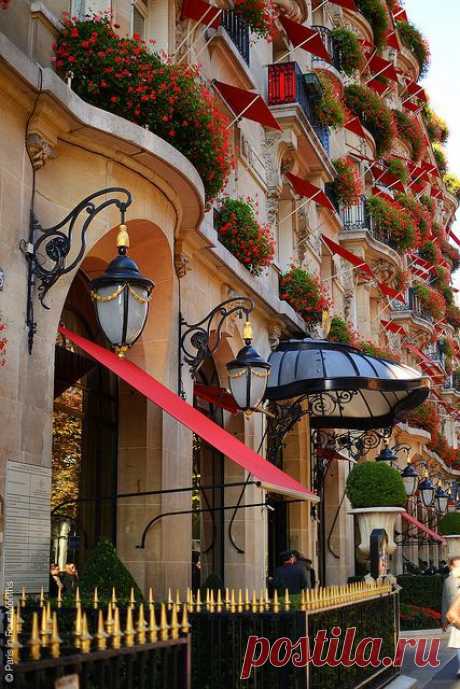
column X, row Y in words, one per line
column 431, row 300
column 413, row 40
column 349, row 48
column 304, row 293
column 123, row 76
column 240, row 233
column 347, row 186
column 341, row 331
column 327, row 108
column 426, row 417
column 453, row 315
column 421, row 216
column 259, row 15
column 409, row 131
column 376, row 14
column 373, row 114
column 436, row 127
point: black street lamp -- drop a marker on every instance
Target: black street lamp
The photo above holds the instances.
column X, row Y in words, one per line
column 248, row 374
column 441, row 500
column 387, row 454
column 410, row 477
column 426, row 489
column 122, row 294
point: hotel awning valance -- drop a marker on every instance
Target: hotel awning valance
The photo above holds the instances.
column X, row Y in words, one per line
column 343, row 387
column 269, row 475
column 421, row 527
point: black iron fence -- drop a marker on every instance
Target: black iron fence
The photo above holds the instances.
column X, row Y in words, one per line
column 238, row 31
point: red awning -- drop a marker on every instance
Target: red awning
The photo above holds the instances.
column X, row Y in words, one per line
column 348, row 256
column 454, row 237
column 202, row 12
column 378, row 86
column 425, row 362
column 354, row 125
column 381, row 67
column 309, row 191
column 390, row 292
column 378, row 192
column 392, row 40
column 305, row 38
column 247, row 104
column 436, row 193
column 393, row 327
column 421, row 527
column 270, row 476
column 384, row 177
column 347, row 4
column 413, row 107
column 400, row 15
column 416, row 91
column 217, row 396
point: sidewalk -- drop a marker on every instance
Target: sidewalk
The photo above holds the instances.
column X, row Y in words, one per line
column 443, row 677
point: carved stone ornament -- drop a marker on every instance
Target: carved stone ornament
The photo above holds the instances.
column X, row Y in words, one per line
column 39, row 150
column 181, row 260
column 384, row 271
column 348, row 304
column 293, row 9
column 274, row 335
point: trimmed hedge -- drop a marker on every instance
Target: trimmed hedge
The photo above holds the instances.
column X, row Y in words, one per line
column 450, row 524
column 375, row 484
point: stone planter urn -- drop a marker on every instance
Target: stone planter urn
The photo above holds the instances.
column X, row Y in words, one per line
column 370, row 518
column 453, row 545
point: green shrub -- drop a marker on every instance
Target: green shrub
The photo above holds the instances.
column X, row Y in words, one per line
column 414, row 41
column 376, row 15
column 349, row 47
column 373, row 114
column 440, row 157
column 450, row 524
column 340, row 331
column 105, row 570
column 375, row 484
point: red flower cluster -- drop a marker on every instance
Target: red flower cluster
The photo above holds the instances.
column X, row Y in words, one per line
column 3, row 344
column 425, row 416
column 411, row 133
column 259, row 15
column 431, row 300
column 305, row 293
column 421, row 216
column 239, row 231
column 393, row 221
column 453, row 315
column 120, row 75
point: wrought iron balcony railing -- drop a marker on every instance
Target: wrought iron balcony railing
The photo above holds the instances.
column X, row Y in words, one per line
column 287, row 84
column 357, row 217
column 238, row 31
column 330, row 45
column 412, row 303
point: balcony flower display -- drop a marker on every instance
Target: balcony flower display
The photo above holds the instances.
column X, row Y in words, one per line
column 240, row 233
column 347, row 185
column 447, row 347
column 420, row 215
column 328, row 109
column 451, row 254
column 431, row 300
column 412, row 39
column 436, row 127
column 393, row 221
column 376, row 15
column 409, row 131
column 441, row 447
column 377, row 495
column 398, row 169
column 440, row 157
column 304, row 293
column 371, row 349
column 349, row 48
column 427, row 201
column 401, row 280
column 341, row 331
column 425, row 416
column 259, row 15
column 373, row 114
column 452, row 183
column 453, row 315
column 441, row 277
column 122, row 76
column 430, row 252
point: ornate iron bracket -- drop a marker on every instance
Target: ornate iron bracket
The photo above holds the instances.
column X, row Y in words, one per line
column 200, row 340
column 280, row 420
column 47, row 249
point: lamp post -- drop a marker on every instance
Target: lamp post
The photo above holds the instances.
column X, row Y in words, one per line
column 248, row 372
column 441, row 500
column 426, row 489
column 387, row 454
column 121, row 294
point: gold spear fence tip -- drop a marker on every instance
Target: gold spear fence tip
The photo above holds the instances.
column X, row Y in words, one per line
column 174, row 622
column 152, row 627
column 164, row 629
column 185, row 626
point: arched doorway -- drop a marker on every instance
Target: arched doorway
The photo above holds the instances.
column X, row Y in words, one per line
column 85, row 433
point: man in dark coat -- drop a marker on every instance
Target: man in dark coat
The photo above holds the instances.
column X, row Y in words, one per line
column 308, row 565
column 290, row 575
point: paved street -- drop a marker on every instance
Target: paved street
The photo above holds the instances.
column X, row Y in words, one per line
column 444, row 677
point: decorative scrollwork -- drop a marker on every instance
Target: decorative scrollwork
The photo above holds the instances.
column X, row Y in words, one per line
column 359, row 444
column 281, row 420
column 329, row 403
column 53, row 244
column 200, row 340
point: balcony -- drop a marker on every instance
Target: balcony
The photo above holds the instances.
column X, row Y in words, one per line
column 411, row 306
column 287, row 84
column 238, row 31
column 331, row 47
column 357, row 218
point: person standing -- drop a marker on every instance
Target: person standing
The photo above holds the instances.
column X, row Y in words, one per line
column 307, row 564
column 450, row 608
column 70, row 578
column 290, row 575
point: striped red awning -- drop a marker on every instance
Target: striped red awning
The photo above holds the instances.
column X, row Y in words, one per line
column 305, row 38
column 269, row 475
column 309, row 191
column 247, row 104
column 348, row 256
column 393, row 327
column 216, row 396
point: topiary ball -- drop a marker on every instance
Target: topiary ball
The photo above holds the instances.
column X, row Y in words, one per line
column 450, row 524
column 375, row 484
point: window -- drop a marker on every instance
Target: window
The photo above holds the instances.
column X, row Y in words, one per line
column 138, row 22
